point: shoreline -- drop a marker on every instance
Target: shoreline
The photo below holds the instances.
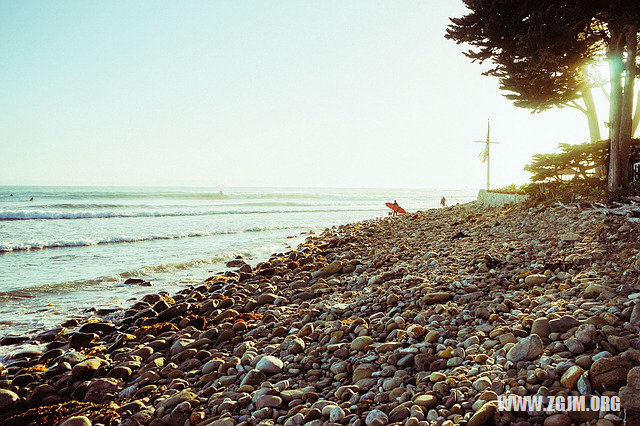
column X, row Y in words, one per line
column 421, row 319
column 135, row 291
column 113, row 312
column 40, row 287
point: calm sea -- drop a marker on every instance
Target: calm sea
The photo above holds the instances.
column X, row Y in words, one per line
column 70, row 249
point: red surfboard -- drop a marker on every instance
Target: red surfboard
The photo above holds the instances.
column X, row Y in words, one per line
column 395, row 208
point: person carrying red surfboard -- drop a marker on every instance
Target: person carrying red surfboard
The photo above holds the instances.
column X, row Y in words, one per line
column 396, row 209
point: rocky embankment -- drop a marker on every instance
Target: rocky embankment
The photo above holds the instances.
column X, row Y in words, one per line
column 422, row 319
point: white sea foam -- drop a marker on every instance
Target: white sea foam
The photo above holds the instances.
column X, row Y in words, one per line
column 150, row 271
column 39, row 245
column 60, row 215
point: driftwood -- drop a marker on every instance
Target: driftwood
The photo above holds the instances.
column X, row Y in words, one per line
column 631, row 210
column 570, row 206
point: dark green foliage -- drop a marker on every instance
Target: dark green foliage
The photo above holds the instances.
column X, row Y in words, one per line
column 570, row 191
column 509, row 189
column 582, row 159
column 551, row 182
column 574, row 161
column 538, row 49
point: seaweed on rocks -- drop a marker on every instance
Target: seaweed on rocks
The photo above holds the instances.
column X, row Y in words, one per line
column 155, row 329
column 52, row 414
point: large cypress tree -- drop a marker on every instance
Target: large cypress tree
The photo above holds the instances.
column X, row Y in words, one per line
column 540, row 51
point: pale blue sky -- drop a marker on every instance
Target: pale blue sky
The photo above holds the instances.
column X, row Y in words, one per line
column 253, row 93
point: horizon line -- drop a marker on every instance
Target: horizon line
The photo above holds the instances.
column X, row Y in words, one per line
column 218, row 188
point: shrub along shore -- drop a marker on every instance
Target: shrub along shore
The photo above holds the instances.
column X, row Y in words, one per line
column 421, row 319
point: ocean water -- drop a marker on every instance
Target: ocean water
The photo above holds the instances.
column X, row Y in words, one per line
column 70, row 249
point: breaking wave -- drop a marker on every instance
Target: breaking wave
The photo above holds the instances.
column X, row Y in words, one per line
column 59, row 215
column 116, row 279
column 39, row 245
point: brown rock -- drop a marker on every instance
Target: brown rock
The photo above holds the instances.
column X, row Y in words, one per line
column 541, row 327
column 81, row 340
column 570, row 377
column 437, row 297
column 483, row 415
column 630, row 398
column 332, row 268
column 8, row 400
column 527, row 348
column 362, row 371
column 361, row 343
column 266, row 298
column 101, row 390
column 635, row 315
column 558, row 420
column 426, row 401
column 535, row 279
column 630, row 394
column 609, row 373
column 86, row 369
column 76, row 421
column 563, row 324
column 399, row 414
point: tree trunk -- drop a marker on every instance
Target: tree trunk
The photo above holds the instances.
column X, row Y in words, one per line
column 594, row 126
column 592, row 115
column 614, row 55
column 636, row 116
column 626, row 119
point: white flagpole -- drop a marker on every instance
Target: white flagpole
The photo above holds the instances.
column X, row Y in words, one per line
column 487, row 156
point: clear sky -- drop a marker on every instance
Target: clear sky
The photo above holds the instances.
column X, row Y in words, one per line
column 254, row 93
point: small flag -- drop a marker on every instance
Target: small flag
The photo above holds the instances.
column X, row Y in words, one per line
column 483, row 155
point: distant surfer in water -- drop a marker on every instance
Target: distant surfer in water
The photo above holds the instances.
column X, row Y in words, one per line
column 31, row 199
column 443, row 202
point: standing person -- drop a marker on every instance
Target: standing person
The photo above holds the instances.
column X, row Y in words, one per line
column 395, row 208
column 443, row 202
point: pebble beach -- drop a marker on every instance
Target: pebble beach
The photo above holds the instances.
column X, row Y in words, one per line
column 422, row 319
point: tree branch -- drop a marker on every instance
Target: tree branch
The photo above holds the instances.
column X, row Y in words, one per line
column 599, row 83
column 606, row 94
column 574, row 104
